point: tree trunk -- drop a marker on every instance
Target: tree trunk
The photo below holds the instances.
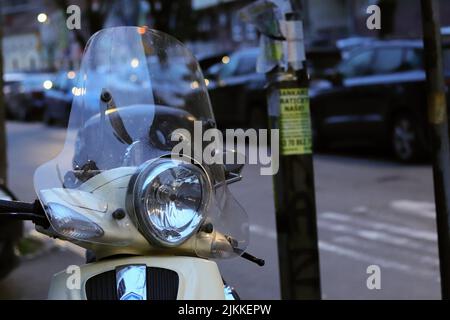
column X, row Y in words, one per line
column 173, row 17
column 388, row 12
column 3, row 149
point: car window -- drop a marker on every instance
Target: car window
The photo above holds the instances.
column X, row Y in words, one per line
column 357, row 65
column 414, row 59
column 63, row 83
column 36, row 81
column 388, row 60
column 446, row 60
column 246, row 65
column 11, row 87
column 228, row 69
column 213, row 70
column 58, row 83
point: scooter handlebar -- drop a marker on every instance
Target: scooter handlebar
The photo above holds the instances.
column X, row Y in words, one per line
column 7, row 206
column 16, row 210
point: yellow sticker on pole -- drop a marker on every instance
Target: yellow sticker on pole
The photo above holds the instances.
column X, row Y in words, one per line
column 295, row 122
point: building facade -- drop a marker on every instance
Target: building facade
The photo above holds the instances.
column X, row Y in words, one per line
column 219, row 28
column 21, row 40
column 29, row 45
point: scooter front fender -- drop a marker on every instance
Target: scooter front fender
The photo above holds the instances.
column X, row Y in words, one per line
column 198, row 279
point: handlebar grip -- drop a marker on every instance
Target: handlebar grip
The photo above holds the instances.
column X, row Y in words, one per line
column 258, row 261
column 16, row 207
column 16, row 210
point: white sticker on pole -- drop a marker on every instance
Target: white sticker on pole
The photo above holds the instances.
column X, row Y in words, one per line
column 295, row 43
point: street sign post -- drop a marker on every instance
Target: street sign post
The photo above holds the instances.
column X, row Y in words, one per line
column 283, row 60
column 294, row 188
column 438, row 124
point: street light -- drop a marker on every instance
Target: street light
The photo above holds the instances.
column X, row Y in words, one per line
column 134, row 63
column 48, row 84
column 71, row 75
column 42, row 17
column 225, row 59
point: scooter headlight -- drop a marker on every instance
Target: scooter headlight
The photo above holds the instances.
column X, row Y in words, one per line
column 169, row 199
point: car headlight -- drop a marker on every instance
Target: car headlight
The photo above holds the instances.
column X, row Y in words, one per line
column 168, row 198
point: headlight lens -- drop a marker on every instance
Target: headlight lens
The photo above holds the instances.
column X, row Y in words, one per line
column 169, row 199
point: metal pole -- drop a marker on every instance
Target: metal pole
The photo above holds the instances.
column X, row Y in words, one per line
column 295, row 204
column 3, row 149
column 438, row 125
column 289, row 114
column 294, row 191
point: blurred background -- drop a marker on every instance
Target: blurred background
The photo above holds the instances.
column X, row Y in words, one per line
column 373, row 174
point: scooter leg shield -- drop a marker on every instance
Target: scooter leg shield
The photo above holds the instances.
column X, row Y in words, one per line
column 140, row 278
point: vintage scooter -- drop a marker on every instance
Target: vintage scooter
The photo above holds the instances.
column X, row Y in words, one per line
column 152, row 219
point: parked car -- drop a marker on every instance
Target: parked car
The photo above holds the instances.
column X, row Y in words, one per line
column 10, row 233
column 320, row 59
column 58, row 98
column 24, row 94
column 377, row 97
column 347, row 45
column 236, row 90
column 169, row 85
column 10, row 82
column 207, row 60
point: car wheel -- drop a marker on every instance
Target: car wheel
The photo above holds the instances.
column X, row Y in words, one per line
column 23, row 115
column 318, row 141
column 48, row 120
column 9, row 114
column 405, row 139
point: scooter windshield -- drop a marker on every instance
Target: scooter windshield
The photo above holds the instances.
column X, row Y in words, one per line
column 136, row 88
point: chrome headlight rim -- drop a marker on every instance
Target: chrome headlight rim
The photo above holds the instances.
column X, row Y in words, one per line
column 137, row 210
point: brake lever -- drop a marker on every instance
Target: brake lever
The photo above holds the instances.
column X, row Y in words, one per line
column 243, row 254
column 252, row 258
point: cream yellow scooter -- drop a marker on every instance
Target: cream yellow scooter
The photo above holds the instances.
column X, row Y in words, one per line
column 153, row 219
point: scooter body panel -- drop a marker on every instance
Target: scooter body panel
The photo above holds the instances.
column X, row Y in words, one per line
column 198, row 278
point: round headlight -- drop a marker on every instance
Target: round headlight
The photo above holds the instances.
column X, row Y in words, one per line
column 169, row 199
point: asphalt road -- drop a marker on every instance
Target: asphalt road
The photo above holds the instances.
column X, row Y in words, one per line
column 372, row 211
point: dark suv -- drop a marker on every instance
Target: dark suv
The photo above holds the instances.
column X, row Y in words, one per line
column 236, row 90
column 377, row 96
